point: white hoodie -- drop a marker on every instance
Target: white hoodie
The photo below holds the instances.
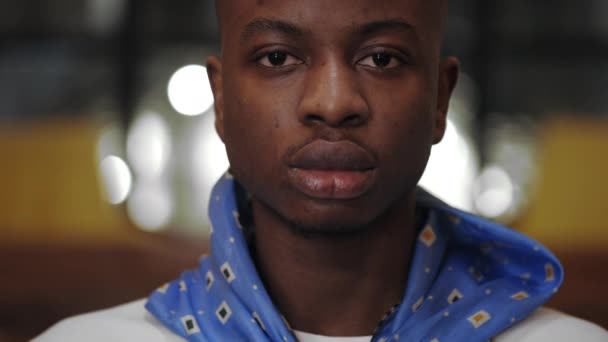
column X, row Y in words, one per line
column 131, row 322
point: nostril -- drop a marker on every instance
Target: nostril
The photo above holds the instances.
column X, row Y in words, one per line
column 352, row 120
column 314, row 119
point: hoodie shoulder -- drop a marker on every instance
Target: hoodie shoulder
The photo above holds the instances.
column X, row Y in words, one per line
column 128, row 322
column 551, row 325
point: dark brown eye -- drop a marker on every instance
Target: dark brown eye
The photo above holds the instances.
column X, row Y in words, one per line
column 382, row 60
column 277, row 58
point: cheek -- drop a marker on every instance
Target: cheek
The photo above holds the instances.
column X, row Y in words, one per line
column 408, row 141
column 255, row 135
column 405, row 131
column 247, row 134
column 406, row 113
column 258, row 113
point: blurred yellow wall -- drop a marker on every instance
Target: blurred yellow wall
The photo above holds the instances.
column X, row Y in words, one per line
column 570, row 201
column 49, row 184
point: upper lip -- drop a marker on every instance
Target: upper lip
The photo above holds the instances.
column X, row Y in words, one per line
column 329, row 155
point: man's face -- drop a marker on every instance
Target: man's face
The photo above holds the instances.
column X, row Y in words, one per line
column 329, row 109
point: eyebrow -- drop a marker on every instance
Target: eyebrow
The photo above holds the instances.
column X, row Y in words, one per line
column 375, row 27
column 261, row 25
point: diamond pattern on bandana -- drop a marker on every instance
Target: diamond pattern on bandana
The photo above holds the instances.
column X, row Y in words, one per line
column 455, row 296
column 418, row 304
column 223, row 313
column 182, row 286
column 549, row 273
column 163, row 289
column 190, row 325
column 428, row 236
column 209, row 280
column 227, row 272
column 479, row 318
column 521, row 295
column 258, row 320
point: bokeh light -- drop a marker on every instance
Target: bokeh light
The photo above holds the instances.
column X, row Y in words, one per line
column 189, row 90
column 494, row 192
column 209, row 159
column 149, row 145
column 451, row 170
column 150, row 206
column 116, row 179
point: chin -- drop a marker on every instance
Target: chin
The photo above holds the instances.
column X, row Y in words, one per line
column 328, row 229
column 330, row 221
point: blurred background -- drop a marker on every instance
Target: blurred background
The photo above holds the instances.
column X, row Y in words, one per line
column 108, row 151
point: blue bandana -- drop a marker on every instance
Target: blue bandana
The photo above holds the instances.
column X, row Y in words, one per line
column 469, row 280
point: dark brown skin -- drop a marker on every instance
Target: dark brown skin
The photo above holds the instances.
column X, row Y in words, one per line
column 296, row 72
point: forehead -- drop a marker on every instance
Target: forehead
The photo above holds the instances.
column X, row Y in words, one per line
column 425, row 16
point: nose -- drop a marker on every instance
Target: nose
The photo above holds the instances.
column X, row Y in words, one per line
column 333, row 97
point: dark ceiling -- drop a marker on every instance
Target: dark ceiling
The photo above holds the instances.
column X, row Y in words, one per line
column 77, row 57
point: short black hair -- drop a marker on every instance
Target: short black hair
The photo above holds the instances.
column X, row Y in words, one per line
column 443, row 5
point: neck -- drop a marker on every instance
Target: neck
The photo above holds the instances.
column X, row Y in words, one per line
column 335, row 286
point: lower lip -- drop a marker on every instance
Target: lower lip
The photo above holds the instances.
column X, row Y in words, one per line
column 332, row 184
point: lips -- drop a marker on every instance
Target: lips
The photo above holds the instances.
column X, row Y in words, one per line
column 326, row 155
column 332, row 170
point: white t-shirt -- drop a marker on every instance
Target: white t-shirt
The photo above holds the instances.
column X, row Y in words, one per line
column 131, row 322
